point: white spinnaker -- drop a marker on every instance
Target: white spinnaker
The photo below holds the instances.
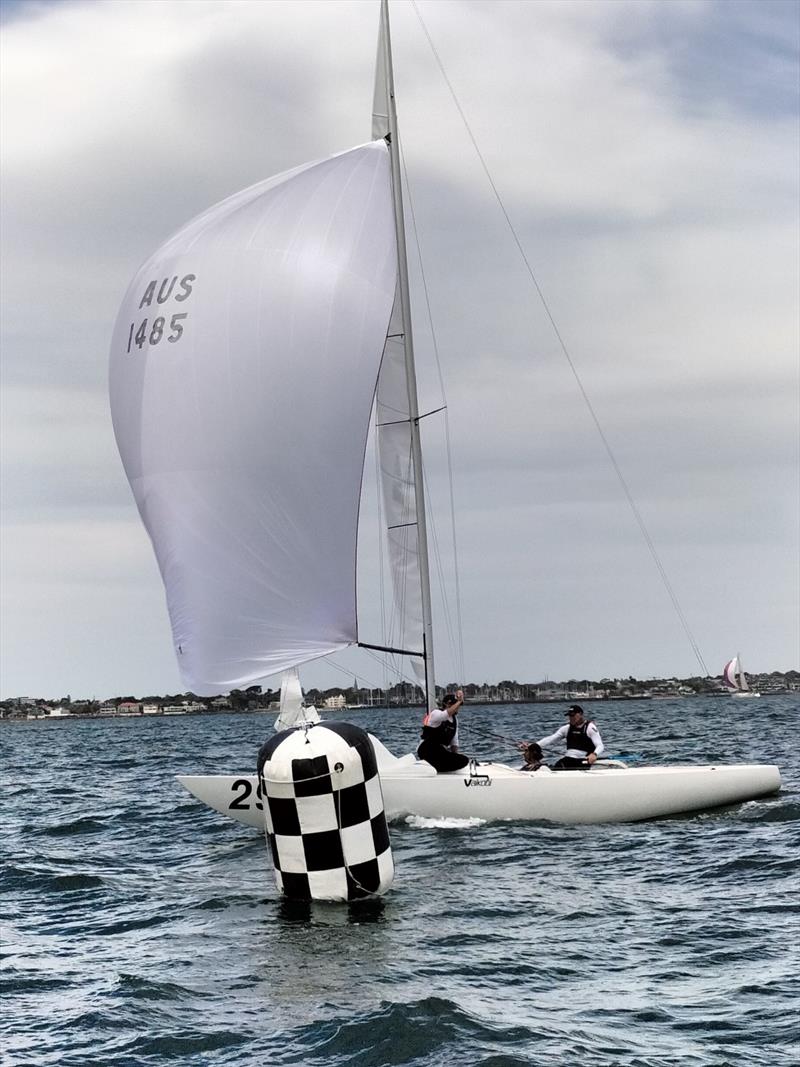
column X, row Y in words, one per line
column 241, row 411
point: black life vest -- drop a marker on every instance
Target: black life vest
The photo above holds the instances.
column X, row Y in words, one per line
column 577, row 738
column 442, row 734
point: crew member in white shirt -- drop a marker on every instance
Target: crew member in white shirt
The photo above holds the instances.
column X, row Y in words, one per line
column 439, row 744
column 583, row 740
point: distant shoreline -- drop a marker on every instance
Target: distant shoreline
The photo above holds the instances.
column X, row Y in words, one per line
column 35, row 714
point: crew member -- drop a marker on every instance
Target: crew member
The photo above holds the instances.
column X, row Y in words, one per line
column 584, row 743
column 533, row 757
column 439, row 744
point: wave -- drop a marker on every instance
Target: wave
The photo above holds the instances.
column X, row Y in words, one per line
column 30, row 879
column 138, row 988
column 85, row 825
column 145, row 930
column 418, row 822
column 425, row 1033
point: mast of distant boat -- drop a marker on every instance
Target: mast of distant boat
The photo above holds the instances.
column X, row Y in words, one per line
column 385, row 52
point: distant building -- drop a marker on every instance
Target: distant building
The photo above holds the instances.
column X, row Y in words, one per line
column 183, row 709
column 129, row 707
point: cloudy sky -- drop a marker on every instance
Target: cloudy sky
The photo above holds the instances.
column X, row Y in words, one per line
column 647, row 156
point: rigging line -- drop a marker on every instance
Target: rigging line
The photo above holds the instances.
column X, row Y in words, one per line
column 364, row 683
column 359, row 677
column 350, row 673
column 497, row 737
column 459, row 644
column 399, row 674
column 620, row 477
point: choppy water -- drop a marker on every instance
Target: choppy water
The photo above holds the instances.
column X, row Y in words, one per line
column 143, row 929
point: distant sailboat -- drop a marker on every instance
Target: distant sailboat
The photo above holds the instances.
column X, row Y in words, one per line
column 735, row 680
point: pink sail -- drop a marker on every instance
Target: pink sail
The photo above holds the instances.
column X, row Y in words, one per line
column 729, row 673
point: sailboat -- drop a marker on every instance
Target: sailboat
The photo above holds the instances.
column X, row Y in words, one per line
column 735, row 680
column 294, row 294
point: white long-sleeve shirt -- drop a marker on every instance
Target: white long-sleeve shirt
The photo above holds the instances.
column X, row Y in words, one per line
column 576, row 753
column 436, row 717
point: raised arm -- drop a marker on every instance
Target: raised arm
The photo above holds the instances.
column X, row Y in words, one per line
column 453, row 709
column 560, row 733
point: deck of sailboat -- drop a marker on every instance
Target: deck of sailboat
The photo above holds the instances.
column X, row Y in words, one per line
column 495, row 791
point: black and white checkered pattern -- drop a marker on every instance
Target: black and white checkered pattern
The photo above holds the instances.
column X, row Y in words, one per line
column 324, row 815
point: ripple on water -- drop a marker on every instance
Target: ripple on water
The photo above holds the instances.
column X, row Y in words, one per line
column 146, row 930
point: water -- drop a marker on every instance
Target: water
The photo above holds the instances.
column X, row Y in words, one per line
column 143, row 929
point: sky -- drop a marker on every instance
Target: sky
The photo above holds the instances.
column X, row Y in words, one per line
column 647, row 156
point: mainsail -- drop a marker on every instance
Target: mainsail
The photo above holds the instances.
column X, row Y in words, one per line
column 243, row 369
column 397, row 417
column 398, row 490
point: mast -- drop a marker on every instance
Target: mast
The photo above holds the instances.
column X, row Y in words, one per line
column 411, row 376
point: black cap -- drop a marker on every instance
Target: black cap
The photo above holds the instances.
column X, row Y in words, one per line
column 574, row 707
column 448, row 699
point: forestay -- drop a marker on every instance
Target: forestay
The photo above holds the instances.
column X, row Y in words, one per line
column 243, row 370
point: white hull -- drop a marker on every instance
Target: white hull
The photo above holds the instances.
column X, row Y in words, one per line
column 744, row 694
column 493, row 791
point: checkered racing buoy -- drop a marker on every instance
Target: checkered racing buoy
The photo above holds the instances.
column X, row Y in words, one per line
column 325, row 823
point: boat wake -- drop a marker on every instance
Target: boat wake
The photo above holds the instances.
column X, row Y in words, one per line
column 418, row 822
